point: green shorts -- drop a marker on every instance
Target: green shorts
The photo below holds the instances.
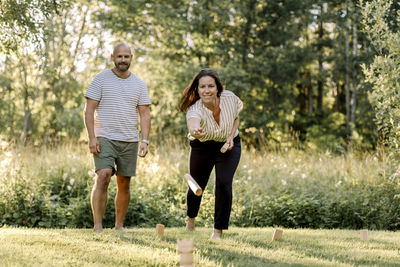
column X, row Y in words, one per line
column 119, row 156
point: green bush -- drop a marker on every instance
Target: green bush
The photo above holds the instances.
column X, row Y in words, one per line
column 293, row 189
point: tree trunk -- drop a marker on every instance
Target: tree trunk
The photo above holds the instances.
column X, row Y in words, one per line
column 309, row 94
column 320, row 59
column 246, row 33
column 28, row 107
column 348, row 126
column 354, row 95
column 337, row 97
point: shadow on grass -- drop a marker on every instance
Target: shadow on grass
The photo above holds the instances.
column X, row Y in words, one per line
column 320, row 248
column 324, row 248
column 207, row 249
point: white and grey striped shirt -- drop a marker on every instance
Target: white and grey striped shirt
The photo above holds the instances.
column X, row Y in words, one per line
column 230, row 106
column 116, row 116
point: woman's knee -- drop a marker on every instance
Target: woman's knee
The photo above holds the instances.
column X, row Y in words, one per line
column 224, row 185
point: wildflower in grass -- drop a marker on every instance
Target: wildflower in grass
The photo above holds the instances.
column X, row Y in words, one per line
column 71, row 181
column 65, row 175
column 283, row 182
column 338, row 183
column 5, row 163
column 3, row 144
column 91, row 173
column 303, row 175
column 73, row 170
column 69, row 187
column 155, row 167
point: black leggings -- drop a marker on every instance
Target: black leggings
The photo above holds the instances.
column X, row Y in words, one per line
column 203, row 157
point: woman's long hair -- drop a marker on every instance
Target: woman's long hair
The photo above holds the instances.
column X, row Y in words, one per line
column 190, row 95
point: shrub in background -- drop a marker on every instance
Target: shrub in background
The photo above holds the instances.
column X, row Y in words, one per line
column 290, row 189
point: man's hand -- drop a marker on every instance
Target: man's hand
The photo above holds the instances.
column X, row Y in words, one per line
column 143, row 149
column 94, row 146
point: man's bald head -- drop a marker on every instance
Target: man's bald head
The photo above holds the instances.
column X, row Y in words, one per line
column 122, row 57
column 123, row 45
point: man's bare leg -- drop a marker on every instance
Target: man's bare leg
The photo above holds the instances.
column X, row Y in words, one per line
column 122, row 201
column 98, row 198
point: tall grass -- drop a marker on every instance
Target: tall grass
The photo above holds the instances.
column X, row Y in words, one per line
column 49, row 187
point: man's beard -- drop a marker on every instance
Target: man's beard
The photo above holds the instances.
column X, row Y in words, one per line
column 122, row 67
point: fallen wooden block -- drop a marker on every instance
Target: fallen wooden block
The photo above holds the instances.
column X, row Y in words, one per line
column 364, row 235
column 160, row 230
column 193, row 185
column 185, row 248
column 277, row 234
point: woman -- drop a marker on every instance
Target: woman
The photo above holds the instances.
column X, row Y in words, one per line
column 212, row 120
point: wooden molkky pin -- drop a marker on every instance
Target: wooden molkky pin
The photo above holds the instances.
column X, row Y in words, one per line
column 224, row 148
column 277, row 234
column 160, row 230
column 364, row 235
column 185, row 248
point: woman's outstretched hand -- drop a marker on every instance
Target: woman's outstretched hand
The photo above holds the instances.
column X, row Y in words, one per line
column 197, row 133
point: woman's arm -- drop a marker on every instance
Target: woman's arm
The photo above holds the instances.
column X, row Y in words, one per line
column 194, row 128
column 229, row 139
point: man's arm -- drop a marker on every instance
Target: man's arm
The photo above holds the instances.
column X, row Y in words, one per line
column 90, row 107
column 144, row 113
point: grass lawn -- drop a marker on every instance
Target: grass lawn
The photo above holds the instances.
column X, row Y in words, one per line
column 239, row 247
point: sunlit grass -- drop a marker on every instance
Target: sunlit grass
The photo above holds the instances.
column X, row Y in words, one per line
column 239, row 247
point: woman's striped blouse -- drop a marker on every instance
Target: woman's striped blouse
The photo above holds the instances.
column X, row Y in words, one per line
column 230, row 106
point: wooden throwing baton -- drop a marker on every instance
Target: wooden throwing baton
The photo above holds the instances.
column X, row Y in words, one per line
column 193, row 185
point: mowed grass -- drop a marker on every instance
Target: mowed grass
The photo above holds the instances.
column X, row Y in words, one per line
column 239, row 247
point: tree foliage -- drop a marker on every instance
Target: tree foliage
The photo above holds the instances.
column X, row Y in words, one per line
column 284, row 58
column 24, row 20
column 42, row 85
column 383, row 72
column 293, row 63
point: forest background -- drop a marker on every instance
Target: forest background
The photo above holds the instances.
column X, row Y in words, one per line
column 315, row 76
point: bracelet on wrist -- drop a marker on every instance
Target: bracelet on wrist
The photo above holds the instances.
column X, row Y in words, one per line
column 145, row 141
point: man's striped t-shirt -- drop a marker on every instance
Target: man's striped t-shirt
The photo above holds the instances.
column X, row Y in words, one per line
column 230, row 106
column 116, row 116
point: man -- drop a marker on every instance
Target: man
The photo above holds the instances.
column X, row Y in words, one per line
column 114, row 100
